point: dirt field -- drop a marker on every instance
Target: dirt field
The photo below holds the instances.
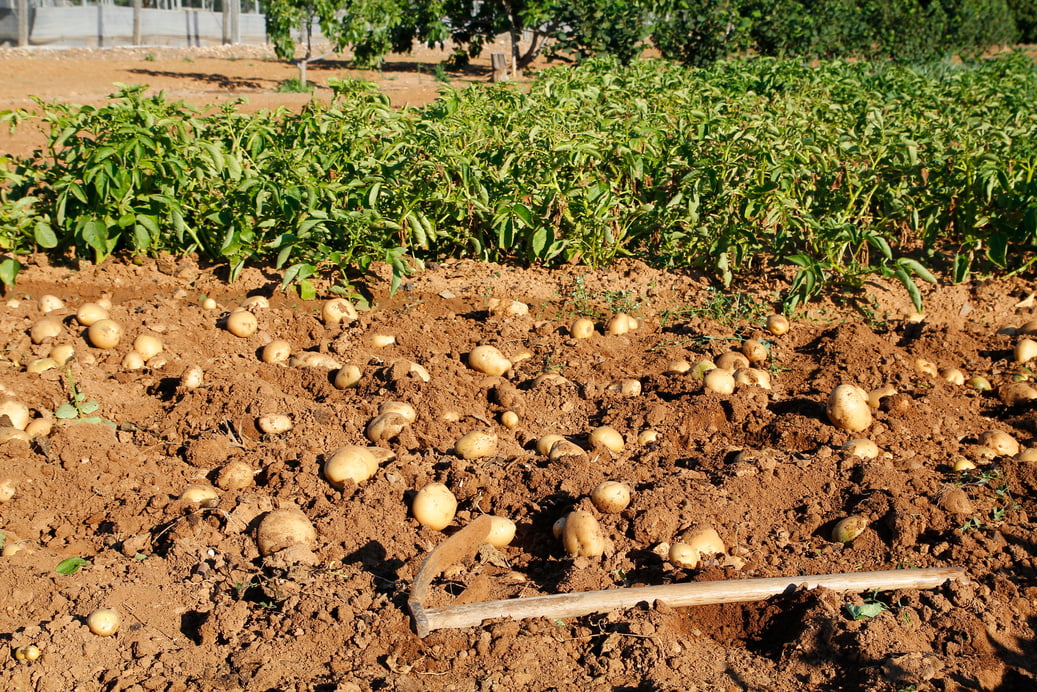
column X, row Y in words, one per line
column 201, row 609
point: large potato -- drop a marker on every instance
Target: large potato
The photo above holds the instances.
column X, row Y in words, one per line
column 285, row 528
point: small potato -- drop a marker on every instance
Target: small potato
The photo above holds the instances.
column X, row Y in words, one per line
column 777, row 325
column 434, row 506
column 1001, row 442
column 865, row 449
column 507, row 307
column 720, row 381
column 963, row 464
column 277, row 351
column 755, row 351
column 209, row 304
column 630, row 387
column 104, row 622
column 544, row 444
column 476, row 444
column 683, row 555
column 17, row 413
column 201, row 495
column 704, row 539
column 582, row 328
column 8, row 486
column 350, row 463
column 284, row 528
column 147, row 346
column 753, row 377
column 608, row 437
column 581, row 535
column 557, row 527
column 502, row 532
column 132, row 361
column 235, row 475
column 385, row 427
column 848, row 408
column 242, row 323
column 255, row 303
column 611, row 497
column 979, row 383
column 488, row 360
column 40, row 365
column 192, row 377
column 731, row 361
column 274, row 423
column 8, row 434
column 620, row 324
column 926, row 367
column 27, row 653
column 337, row 311
column 45, row 329
column 952, row 376
column 62, row 353
column 347, row 376
column 89, row 313
column 647, row 437
column 876, row 396
column 677, row 367
column 565, row 448
column 420, row 371
column 1025, row 350
column 104, row 334
column 1028, row 455
column 846, row 530
column 39, row 427
column 509, row 419
column 313, row 359
column 401, row 407
column 380, row 340
column 50, row 303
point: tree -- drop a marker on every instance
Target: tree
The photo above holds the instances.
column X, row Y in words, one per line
column 473, row 24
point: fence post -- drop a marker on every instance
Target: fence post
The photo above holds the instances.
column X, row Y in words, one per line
column 137, row 38
column 23, row 22
column 500, row 67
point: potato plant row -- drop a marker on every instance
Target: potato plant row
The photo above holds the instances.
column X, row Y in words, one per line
column 838, row 171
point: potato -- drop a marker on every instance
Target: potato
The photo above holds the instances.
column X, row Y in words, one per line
column 419, row 370
column 8, row 486
column 608, row 437
column 720, row 381
column 209, row 304
column 104, row 622
column 235, row 475
column 285, row 528
column 104, row 334
column 1016, row 394
column 132, row 361
column 544, row 444
column 777, row 324
column 192, row 377
column 380, row 340
column 731, row 361
column 385, row 427
column 476, row 444
column 27, row 653
column 683, row 555
column 40, row 427
column 704, row 539
column 313, row 359
column 699, row 370
column 610, row 497
column 255, row 303
column 337, row 311
column 865, row 449
column 952, row 376
column 753, row 377
column 89, row 313
column 876, row 396
column 509, row 419
column 147, row 346
column 581, row 535
column 1025, row 350
column 755, row 351
column 1001, row 442
column 46, row 328
column 507, row 307
column 274, row 423
column 846, row 530
column 401, row 407
column 350, row 463
column 17, row 413
column 848, row 408
column 242, row 323
column 677, row 367
column 347, row 376
column 488, row 360
column 502, row 532
column 979, row 383
column 434, row 506
column 277, row 351
column 647, row 437
column 565, row 448
column 582, row 328
column 62, row 353
column 50, row 303
column 630, row 387
column 620, row 324
column 201, row 495
column 926, row 367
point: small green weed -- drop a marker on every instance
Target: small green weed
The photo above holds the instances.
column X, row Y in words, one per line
column 78, row 406
column 71, row 565
column 294, row 86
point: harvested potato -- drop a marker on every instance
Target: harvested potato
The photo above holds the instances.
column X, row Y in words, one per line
column 582, row 536
column 434, row 506
column 285, row 528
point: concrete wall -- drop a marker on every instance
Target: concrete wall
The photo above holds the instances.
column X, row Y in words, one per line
column 108, row 26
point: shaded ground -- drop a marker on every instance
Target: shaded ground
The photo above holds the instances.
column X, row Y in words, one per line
column 202, row 610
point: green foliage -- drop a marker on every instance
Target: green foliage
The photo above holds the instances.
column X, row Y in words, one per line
column 71, row 565
column 700, row 32
column 600, row 27
column 841, row 171
column 1024, row 14
column 78, row 406
column 294, row 86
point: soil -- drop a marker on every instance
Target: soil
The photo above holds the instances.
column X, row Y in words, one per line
column 201, row 609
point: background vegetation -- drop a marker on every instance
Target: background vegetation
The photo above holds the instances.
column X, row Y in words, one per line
column 836, row 171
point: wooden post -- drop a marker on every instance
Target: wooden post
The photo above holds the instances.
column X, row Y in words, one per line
column 23, row 22
column 226, row 21
column 500, row 67
column 137, row 37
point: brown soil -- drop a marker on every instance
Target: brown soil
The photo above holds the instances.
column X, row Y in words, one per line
column 202, row 610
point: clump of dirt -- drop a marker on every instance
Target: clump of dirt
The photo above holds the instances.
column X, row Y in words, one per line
column 202, row 609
